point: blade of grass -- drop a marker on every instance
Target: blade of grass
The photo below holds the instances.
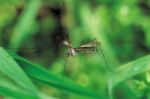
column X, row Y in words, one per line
column 130, row 69
column 11, row 69
column 53, row 80
column 7, row 88
column 23, row 28
column 4, row 91
column 125, row 72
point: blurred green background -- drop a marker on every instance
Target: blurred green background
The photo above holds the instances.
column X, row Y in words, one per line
column 33, row 29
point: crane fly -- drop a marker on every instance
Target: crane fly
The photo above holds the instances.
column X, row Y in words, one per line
column 89, row 47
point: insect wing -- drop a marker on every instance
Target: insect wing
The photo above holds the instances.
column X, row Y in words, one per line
column 93, row 43
column 89, row 47
column 86, row 49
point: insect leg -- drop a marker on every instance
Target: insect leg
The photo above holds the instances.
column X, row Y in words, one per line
column 106, row 63
column 65, row 65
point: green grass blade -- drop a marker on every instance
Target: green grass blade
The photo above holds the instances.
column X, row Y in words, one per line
column 4, row 91
column 54, row 80
column 8, row 89
column 25, row 23
column 11, row 69
column 130, row 69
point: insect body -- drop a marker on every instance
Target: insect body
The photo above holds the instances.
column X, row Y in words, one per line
column 71, row 51
column 89, row 47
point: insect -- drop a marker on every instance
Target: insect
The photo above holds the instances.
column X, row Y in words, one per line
column 90, row 47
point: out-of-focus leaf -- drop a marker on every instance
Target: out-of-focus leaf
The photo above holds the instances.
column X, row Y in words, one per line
column 53, row 80
column 25, row 23
column 130, row 69
column 8, row 89
column 11, row 69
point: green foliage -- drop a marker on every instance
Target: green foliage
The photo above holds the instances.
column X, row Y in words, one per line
column 51, row 79
column 12, row 70
column 24, row 28
column 34, row 28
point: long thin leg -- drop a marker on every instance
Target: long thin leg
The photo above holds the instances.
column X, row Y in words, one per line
column 65, row 65
column 106, row 63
